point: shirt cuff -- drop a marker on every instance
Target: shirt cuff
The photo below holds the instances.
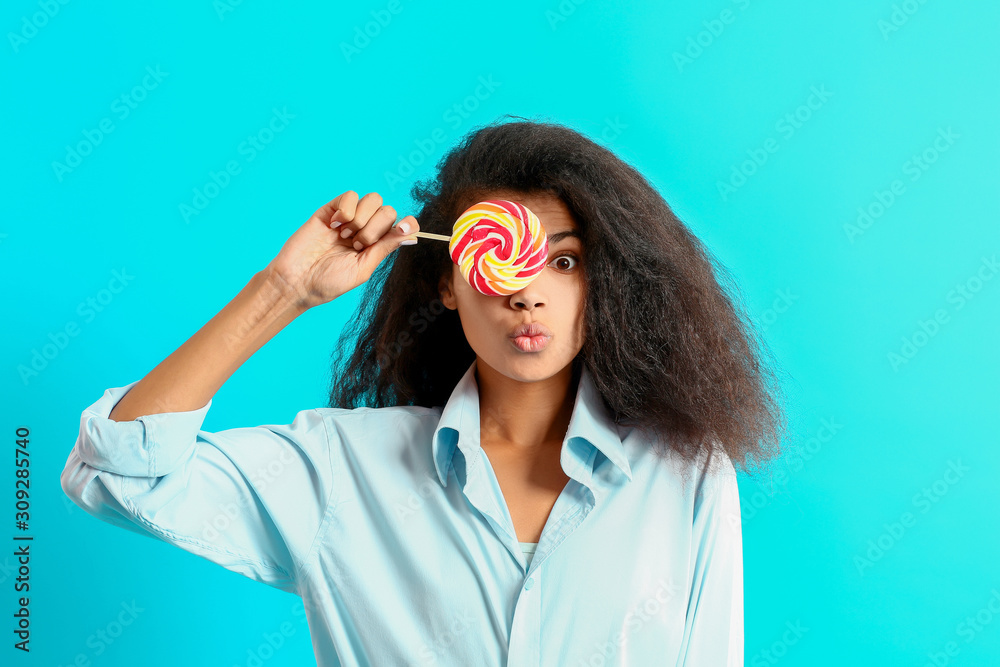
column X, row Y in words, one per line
column 148, row 446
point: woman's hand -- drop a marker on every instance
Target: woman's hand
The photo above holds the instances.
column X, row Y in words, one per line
column 319, row 263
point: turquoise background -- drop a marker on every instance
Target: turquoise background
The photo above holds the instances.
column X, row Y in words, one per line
column 835, row 304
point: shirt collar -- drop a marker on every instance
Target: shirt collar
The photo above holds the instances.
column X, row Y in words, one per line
column 590, row 422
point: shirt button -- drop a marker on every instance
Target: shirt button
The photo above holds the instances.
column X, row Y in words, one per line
column 529, row 583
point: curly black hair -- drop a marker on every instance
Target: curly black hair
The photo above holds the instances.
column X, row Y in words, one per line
column 668, row 349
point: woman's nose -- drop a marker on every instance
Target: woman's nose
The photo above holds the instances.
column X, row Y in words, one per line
column 528, row 298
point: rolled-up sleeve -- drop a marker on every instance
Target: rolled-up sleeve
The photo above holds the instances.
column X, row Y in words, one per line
column 250, row 499
column 713, row 628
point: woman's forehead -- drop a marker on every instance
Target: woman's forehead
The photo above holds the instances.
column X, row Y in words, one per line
column 550, row 209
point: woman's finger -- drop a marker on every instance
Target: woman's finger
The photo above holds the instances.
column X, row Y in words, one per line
column 340, row 209
column 377, row 226
column 365, row 209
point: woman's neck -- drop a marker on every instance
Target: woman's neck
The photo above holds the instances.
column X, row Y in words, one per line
column 524, row 415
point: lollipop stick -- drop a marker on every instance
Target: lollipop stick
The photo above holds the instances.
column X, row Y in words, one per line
column 428, row 235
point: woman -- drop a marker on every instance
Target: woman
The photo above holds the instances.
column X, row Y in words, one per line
column 592, row 418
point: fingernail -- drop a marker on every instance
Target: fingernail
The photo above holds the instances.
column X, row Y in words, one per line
column 404, row 227
column 358, row 245
column 334, row 225
column 347, row 232
column 408, row 242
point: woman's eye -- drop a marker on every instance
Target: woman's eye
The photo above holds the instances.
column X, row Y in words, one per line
column 565, row 262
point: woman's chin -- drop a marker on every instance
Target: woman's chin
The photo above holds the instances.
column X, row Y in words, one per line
column 531, row 366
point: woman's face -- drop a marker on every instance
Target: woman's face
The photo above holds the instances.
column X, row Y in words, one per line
column 555, row 299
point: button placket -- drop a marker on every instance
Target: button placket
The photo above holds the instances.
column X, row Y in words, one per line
column 526, row 632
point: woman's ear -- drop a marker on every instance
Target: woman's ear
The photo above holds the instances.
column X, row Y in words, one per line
column 447, row 296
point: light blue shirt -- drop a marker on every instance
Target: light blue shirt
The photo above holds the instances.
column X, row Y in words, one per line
column 391, row 526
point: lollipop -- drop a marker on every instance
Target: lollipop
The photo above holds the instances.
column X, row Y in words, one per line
column 499, row 245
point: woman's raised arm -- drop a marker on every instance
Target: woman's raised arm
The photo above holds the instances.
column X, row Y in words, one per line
column 316, row 265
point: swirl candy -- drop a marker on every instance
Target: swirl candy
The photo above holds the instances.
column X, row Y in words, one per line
column 499, row 245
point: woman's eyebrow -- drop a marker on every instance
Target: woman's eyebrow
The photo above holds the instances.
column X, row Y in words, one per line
column 559, row 236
